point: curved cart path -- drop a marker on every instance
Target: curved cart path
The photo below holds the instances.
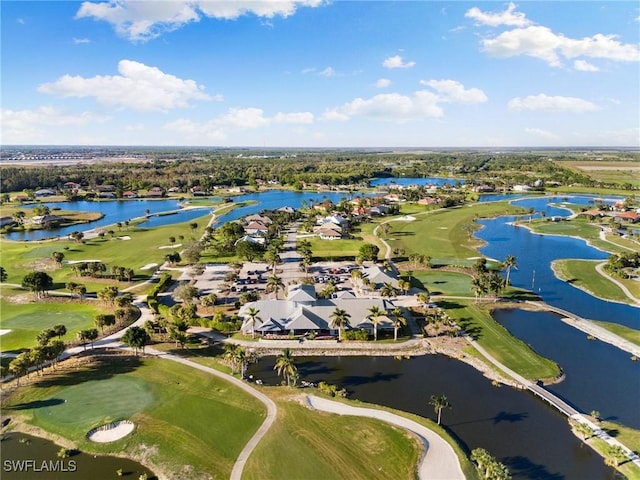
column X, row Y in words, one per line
column 439, row 460
column 272, row 409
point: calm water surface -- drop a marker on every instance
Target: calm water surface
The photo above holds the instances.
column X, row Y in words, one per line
column 531, row 438
column 599, row 376
column 80, row 466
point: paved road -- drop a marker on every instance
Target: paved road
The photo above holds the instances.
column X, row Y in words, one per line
column 439, row 461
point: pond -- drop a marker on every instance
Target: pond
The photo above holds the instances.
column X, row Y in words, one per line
column 527, row 435
column 25, row 457
column 534, row 254
column 599, row 376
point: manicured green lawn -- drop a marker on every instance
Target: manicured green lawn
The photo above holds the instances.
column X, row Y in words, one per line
column 184, row 417
column 445, row 235
column 25, row 320
column 583, row 274
column 578, row 227
column 445, row 283
column 315, row 445
column 497, row 340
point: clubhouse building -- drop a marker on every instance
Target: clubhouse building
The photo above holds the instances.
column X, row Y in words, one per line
column 302, row 312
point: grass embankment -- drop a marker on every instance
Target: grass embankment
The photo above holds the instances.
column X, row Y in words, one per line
column 476, row 320
column 319, row 445
column 582, row 274
column 580, row 228
column 185, row 419
column 629, row 334
column 26, row 320
column 625, row 435
column 449, row 232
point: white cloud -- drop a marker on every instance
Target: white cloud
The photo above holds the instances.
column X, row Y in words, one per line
column 383, row 83
column 20, row 126
column 540, row 42
column 548, row 103
column 544, row 134
column 584, row 66
column 397, row 62
column 244, row 118
column 20, row 21
column 193, row 131
column 141, row 20
column 507, row 17
column 403, row 108
column 296, row 117
column 453, row 91
column 327, row 72
column 138, row 87
column 389, row 106
column 80, row 41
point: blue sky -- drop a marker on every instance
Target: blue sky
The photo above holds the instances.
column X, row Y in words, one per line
column 313, row 73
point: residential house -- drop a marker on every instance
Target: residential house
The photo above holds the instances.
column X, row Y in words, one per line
column 378, row 276
column 155, row 192
column 129, row 194
column 256, row 228
column 44, row 192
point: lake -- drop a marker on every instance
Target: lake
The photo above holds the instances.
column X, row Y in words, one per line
column 23, row 456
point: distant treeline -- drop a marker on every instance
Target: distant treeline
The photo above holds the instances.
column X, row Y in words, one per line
column 206, row 170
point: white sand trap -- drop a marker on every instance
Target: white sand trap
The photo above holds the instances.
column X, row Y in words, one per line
column 126, row 237
column 3, row 331
column 149, row 266
column 171, row 246
column 111, row 432
column 71, row 262
column 444, row 228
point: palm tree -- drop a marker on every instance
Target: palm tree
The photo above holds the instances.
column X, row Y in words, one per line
column 274, row 284
column 615, row 454
column 340, row 319
column 424, row 298
column 375, row 313
column 404, row 285
column 388, row 290
column 273, row 259
column 509, row 263
column 285, row 365
column 439, row 403
column 398, row 321
column 252, row 313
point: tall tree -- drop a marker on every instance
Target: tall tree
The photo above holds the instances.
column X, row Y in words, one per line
column 340, row 320
column 398, row 321
column 274, row 284
column 375, row 313
column 252, row 313
column 439, row 403
column 136, row 338
column 388, row 290
column 3, row 275
column 285, row 365
column 37, row 282
column 508, row 264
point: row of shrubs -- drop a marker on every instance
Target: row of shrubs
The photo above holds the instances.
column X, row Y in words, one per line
column 152, row 296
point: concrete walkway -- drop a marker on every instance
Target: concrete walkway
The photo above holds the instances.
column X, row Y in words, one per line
column 439, row 460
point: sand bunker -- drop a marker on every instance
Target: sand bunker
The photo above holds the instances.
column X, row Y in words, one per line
column 111, row 432
column 3, row 331
column 149, row 266
column 71, row 262
column 126, row 237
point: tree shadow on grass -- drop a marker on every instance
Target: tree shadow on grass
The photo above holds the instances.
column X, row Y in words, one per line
column 449, row 305
column 470, row 328
column 36, row 404
column 99, row 368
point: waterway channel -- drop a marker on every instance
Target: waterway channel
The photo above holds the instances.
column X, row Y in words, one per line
column 530, row 437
